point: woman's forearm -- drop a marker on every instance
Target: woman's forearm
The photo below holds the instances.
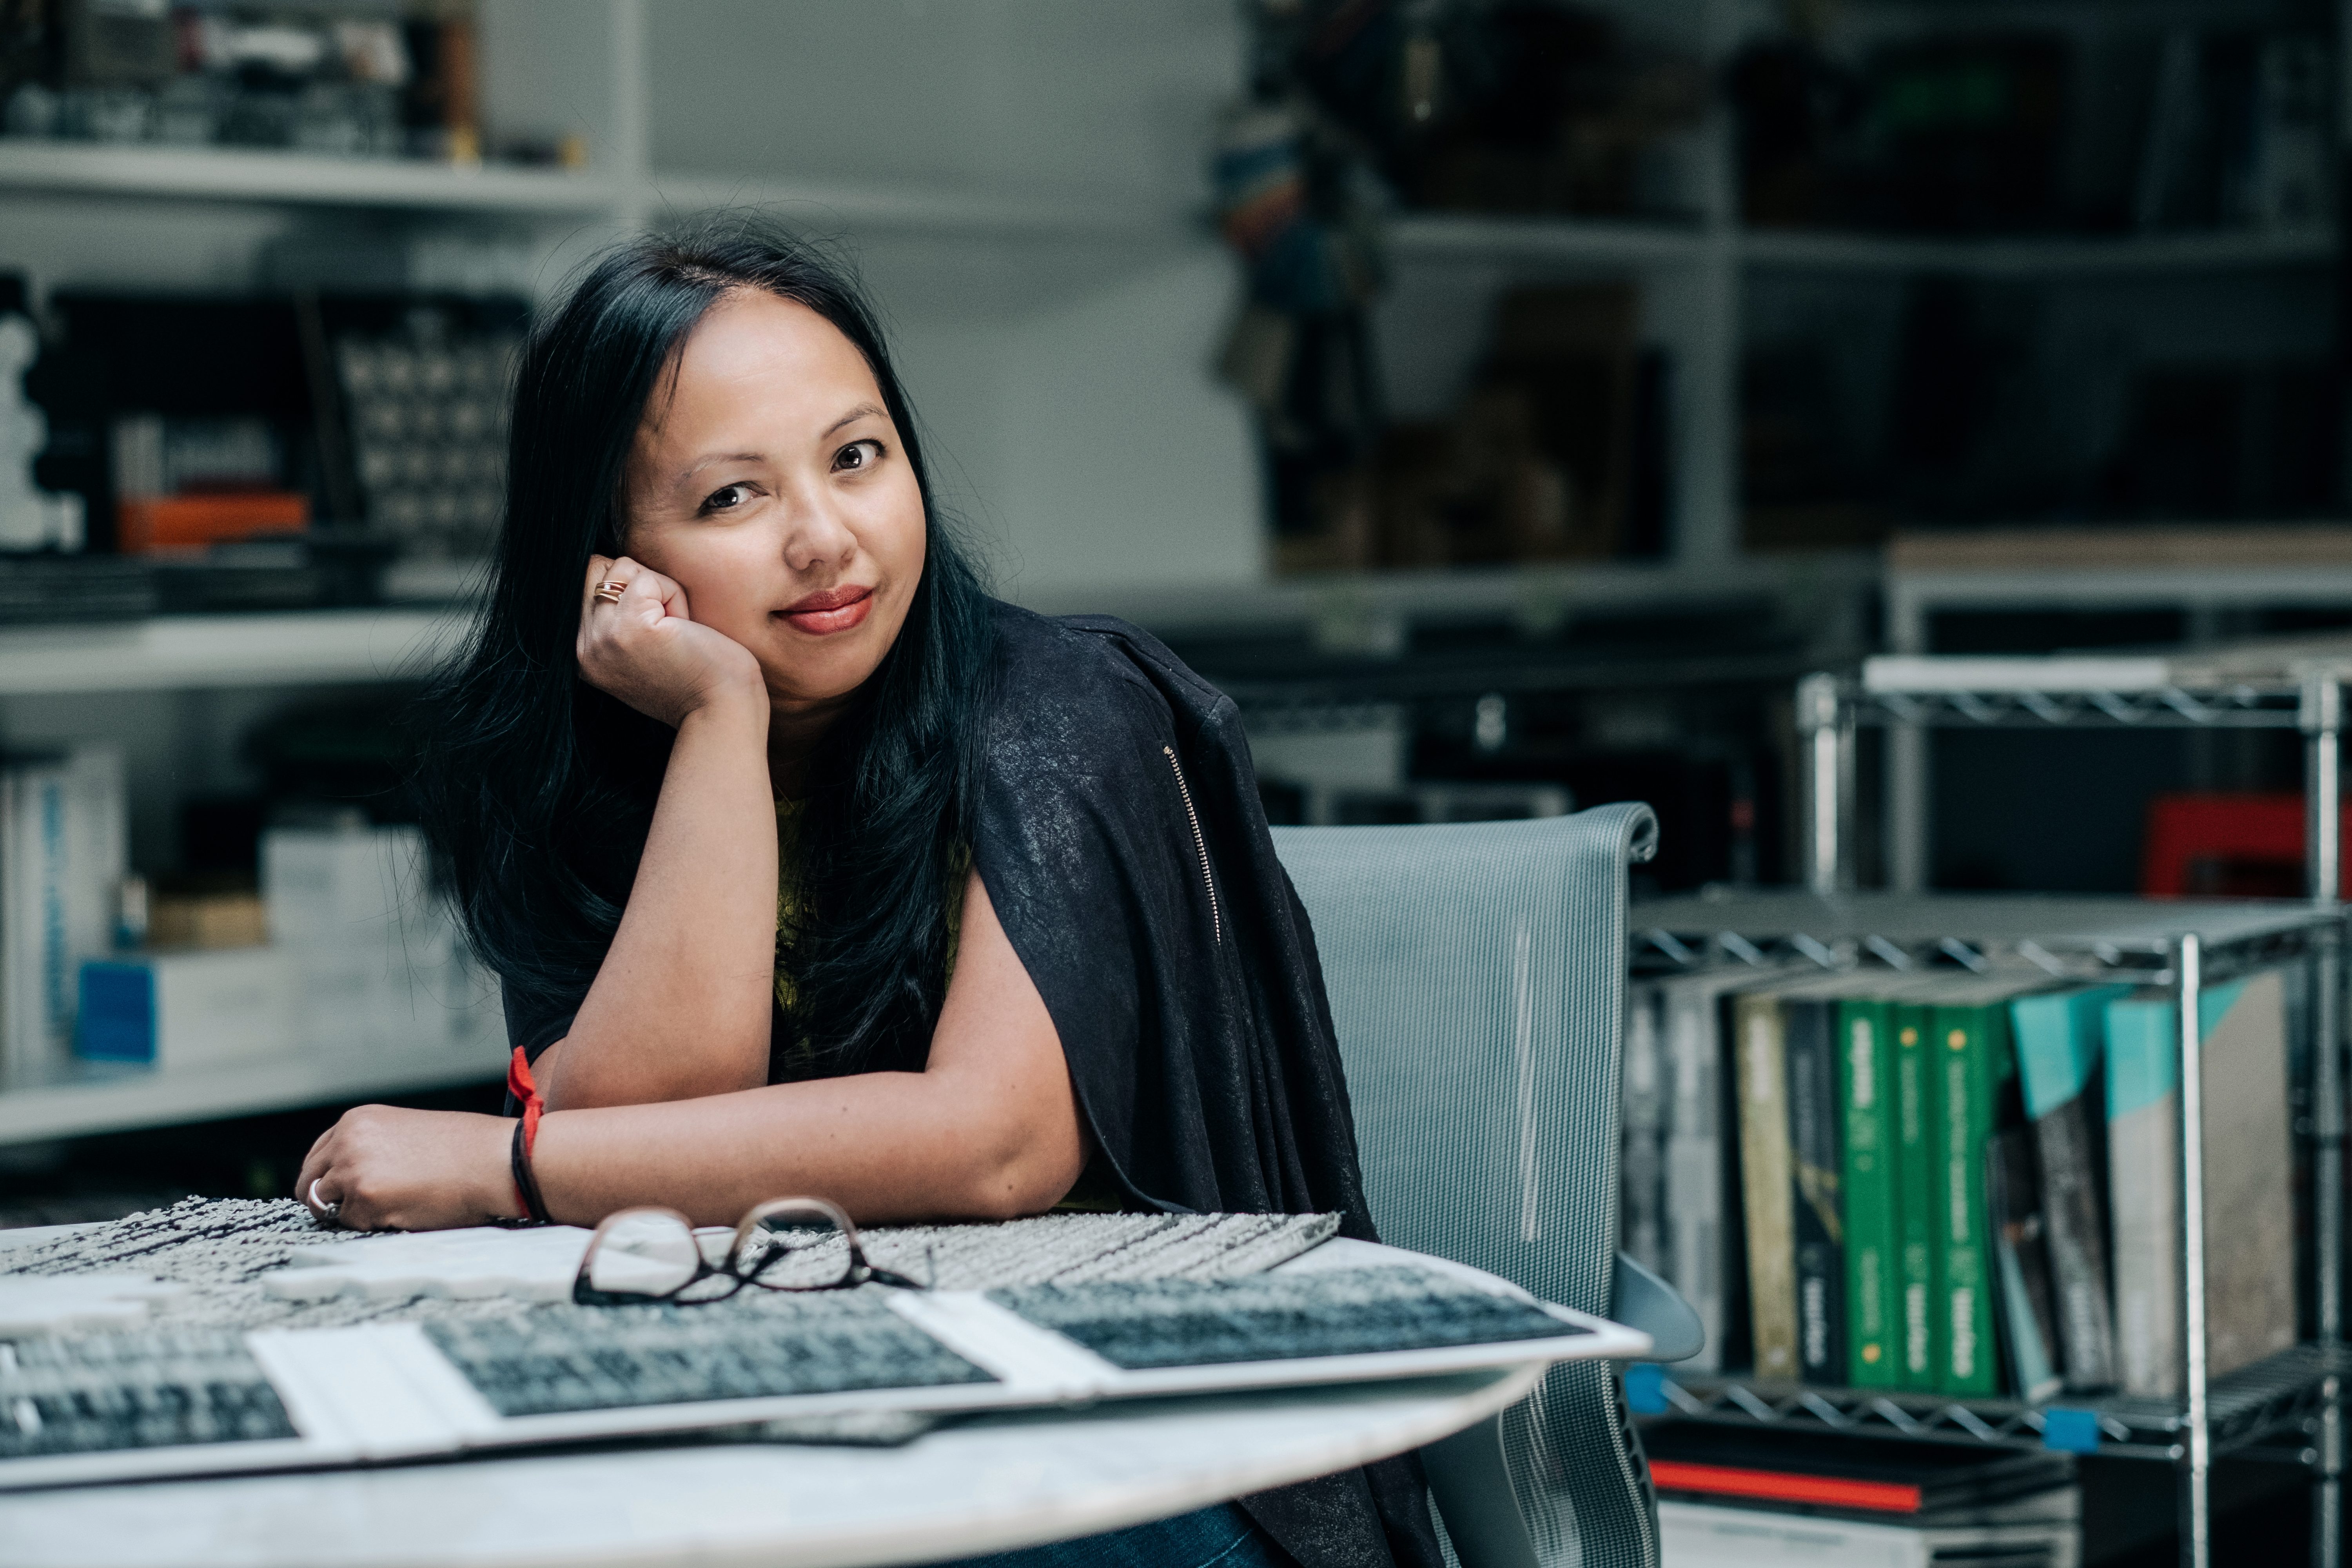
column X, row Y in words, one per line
column 680, row 1004
column 886, row 1146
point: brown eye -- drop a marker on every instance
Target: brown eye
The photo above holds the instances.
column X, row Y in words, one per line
column 726, row 499
column 856, row 455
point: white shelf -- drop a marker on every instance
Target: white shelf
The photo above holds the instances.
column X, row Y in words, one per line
column 314, row 647
column 1471, row 236
column 1316, row 600
column 102, row 1098
column 909, row 208
column 215, row 173
column 2035, row 256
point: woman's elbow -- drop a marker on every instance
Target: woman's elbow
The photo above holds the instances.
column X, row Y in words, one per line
column 1017, row 1183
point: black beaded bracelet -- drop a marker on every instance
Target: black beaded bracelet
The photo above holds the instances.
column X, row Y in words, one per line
column 527, row 1185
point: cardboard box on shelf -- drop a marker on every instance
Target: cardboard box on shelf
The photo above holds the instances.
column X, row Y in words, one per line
column 375, row 955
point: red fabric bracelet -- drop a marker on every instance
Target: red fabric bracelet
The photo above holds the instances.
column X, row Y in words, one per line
column 526, row 1092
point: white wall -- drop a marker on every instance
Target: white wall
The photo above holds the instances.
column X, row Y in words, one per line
column 1064, row 385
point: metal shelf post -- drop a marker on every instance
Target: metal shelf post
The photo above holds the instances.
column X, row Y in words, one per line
column 2197, row 1461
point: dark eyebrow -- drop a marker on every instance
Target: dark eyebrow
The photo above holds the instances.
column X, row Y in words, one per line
column 699, row 464
column 863, row 411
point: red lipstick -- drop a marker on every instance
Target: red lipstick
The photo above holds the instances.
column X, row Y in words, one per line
column 831, row 610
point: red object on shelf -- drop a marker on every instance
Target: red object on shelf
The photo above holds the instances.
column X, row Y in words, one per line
column 1783, row 1486
column 162, row 522
column 2241, row 845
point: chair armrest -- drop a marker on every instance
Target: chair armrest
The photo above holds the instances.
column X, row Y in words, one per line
column 1470, row 1481
column 1640, row 1299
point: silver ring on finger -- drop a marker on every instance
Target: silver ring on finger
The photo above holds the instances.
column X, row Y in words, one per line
column 324, row 1208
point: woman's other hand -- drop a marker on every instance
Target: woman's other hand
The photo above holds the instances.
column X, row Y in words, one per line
column 647, row 650
column 390, row 1169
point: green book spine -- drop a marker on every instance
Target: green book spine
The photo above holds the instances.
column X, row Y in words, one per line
column 1915, row 1195
column 1874, row 1238
column 1766, row 1177
column 1966, row 1046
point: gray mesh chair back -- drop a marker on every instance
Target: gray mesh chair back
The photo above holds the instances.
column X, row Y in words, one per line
column 1477, row 973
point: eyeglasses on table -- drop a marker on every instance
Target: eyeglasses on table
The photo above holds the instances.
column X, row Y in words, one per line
column 653, row 1254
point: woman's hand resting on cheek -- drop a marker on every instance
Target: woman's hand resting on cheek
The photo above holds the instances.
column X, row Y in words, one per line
column 391, row 1168
column 649, row 651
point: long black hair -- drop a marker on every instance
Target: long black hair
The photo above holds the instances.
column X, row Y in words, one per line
column 537, row 789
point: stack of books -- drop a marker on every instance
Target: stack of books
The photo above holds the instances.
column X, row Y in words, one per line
column 1959, row 1183
column 1732, row 1496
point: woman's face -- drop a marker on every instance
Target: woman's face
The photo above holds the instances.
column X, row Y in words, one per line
column 769, row 482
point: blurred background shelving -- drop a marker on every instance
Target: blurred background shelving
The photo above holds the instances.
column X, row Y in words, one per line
column 1837, row 419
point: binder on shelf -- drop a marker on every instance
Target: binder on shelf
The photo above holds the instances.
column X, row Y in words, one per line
column 2061, row 1041
column 1817, row 1199
column 1873, row 1220
column 62, row 860
column 1970, row 1057
column 2249, row 1198
column 1701, row 1185
column 1918, row 1325
column 2022, row 1264
column 1766, row 1172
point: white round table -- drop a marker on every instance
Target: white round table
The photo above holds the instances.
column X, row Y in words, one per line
column 981, row 1486
column 988, row 1486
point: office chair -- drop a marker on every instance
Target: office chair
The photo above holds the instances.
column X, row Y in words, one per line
column 1477, row 973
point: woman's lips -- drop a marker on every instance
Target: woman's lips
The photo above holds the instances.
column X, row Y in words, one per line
column 834, row 610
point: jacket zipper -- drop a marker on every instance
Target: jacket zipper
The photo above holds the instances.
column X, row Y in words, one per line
column 1200, row 845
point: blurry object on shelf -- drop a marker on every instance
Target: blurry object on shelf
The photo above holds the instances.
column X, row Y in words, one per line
column 379, row 81
column 1526, row 106
column 2121, row 549
column 1962, row 415
column 1717, row 1536
column 424, row 401
column 36, row 590
column 1800, row 487
column 207, row 911
column 2250, row 1210
column 30, row 517
column 63, row 832
column 191, row 421
column 1318, row 751
column 1966, row 129
column 1795, row 109
column 164, row 392
column 193, row 521
column 331, row 758
column 377, row 957
column 2235, row 844
column 118, row 43
column 443, row 116
column 318, row 569
column 2224, row 439
column 193, row 1009
column 1299, row 352
column 1551, row 454
column 2289, row 168
column 1834, row 1475
column 2237, row 133
column 2021, row 130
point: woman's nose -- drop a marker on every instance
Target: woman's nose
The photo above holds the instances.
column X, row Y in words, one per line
column 817, row 536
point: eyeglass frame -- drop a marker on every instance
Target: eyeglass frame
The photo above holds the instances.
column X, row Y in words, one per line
column 860, row 1271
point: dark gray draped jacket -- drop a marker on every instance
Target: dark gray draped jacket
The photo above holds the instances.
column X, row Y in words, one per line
column 1126, row 854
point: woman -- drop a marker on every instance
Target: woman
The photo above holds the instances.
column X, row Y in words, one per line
column 808, row 867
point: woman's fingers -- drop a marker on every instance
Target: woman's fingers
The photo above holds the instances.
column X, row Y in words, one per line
column 311, row 1187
